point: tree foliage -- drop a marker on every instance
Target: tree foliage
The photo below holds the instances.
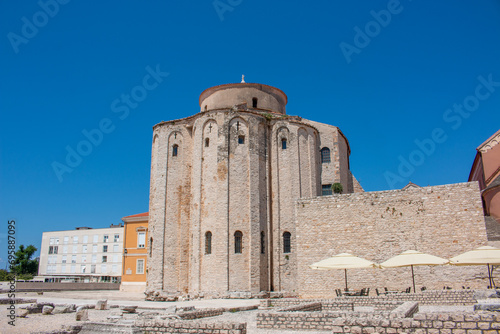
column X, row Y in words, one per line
column 23, row 264
column 5, row 275
column 337, row 188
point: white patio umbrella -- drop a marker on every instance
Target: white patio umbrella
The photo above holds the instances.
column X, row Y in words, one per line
column 412, row 258
column 483, row 255
column 343, row 261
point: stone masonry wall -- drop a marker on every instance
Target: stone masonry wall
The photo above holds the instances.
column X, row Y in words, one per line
column 441, row 220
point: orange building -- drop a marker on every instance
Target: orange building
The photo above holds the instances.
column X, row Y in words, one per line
column 486, row 170
column 135, row 253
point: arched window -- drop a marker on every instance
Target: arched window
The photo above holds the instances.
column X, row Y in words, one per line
column 175, row 149
column 206, row 107
column 254, row 102
column 287, row 244
column 325, row 155
column 283, row 143
column 241, row 139
column 208, row 242
column 262, row 242
column 238, row 242
column 207, row 142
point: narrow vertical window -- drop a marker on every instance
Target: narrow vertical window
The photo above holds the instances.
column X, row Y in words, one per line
column 151, row 246
column 206, row 108
column 207, row 142
column 174, row 150
column 141, row 239
column 238, row 240
column 241, row 139
column 139, row 267
column 283, row 143
column 287, row 245
column 208, row 242
column 262, row 243
column 325, row 155
column 254, row 102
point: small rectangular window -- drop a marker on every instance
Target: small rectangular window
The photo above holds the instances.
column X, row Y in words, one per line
column 73, row 258
column 85, row 239
column 96, row 238
column 241, row 139
column 141, row 240
column 84, row 249
column 94, row 248
column 104, row 259
column 65, row 240
column 75, row 239
column 64, row 259
column 105, row 248
column 116, row 238
column 140, row 267
column 51, row 249
column 106, row 237
column 116, row 248
column 326, row 189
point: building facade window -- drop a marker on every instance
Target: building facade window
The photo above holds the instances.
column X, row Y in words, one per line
column 283, row 143
column 73, row 258
column 105, row 248
column 116, row 248
column 84, row 249
column 208, row 242
column 262, row 243
column 325, row 155
column 53, row 249
column 94, row 248
column 106, row 238
column 116, row 238
column 65, row 249
column 254, row 102
column 65, row 240
column 96, row 238
column 92, row 269
column 175, row 150
column 326, row 189
column 140, row 267
column 85, row 239
column 238, row 242
column 104, row 258
column 75, row 239
column 141, row 239
column 207, row 142
column 241, row 139
column 64, row 259
column 287, row 242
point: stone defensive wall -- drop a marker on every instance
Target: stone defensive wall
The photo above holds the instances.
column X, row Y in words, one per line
column 442, row 220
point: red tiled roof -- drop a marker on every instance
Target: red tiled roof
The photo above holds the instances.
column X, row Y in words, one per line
column 145, row 214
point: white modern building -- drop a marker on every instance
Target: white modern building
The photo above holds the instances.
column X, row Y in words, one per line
column 82, row 255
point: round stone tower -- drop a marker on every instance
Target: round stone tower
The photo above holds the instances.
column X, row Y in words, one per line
column 224, row 183
column 249, row 95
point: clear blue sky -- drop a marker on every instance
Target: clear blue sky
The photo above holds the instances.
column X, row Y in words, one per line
column 386, row 73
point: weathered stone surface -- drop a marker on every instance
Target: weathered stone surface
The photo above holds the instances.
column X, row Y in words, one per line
column 22, row 313
column 46, row 310
column 59, row 309
column 82, row 314
column 128, row 308
column 101, row 304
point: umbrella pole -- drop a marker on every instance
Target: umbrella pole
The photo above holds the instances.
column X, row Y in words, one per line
column 345, row 276
column 489, row 276
column 413, row 276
